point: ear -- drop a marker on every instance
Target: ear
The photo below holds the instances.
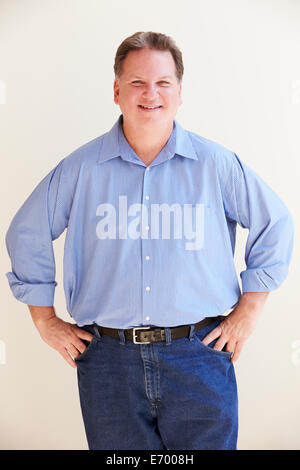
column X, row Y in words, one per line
column 180, row 93
column 116, row 91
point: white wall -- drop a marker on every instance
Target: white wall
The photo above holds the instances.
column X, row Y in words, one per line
column 241, row 88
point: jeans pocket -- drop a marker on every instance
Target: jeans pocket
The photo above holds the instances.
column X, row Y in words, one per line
column 210, row 349
column 89, row 346
column 200, row 335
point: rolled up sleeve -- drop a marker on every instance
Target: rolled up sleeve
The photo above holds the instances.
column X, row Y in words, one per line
column 252, row 203
column 40, row 220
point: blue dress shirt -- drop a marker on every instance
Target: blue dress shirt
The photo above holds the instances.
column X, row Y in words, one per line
column 123, row 268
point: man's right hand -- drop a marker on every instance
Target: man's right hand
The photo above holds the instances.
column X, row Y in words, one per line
column 60, row 335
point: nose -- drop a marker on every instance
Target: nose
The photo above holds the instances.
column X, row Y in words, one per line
column 150, row 90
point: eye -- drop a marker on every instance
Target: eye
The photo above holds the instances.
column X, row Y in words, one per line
column 161, row 81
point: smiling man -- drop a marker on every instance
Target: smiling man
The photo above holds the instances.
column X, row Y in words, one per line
column 153, row 349
column 148, row 91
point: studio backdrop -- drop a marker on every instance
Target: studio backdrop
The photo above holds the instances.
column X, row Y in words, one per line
column 241, row 88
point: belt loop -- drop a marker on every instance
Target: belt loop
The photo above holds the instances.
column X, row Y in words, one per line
column 168, row 336
column 191, row 333
column 96, row 330
column 122, row 336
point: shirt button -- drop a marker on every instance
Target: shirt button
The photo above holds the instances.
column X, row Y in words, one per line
column 147, row 197
column 147, row 318
column 147, row 257
column 147, row 288
column 147, row 227
column 148, row 168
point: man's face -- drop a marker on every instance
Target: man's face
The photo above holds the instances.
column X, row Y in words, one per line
column 148, row 79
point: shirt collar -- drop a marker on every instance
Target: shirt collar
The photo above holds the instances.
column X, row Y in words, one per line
column 115, row 144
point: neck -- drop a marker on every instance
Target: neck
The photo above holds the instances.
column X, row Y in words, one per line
column 147, row 141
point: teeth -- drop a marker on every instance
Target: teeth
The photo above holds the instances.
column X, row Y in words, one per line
column 150, row 107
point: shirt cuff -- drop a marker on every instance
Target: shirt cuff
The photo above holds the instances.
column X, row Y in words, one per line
column 263, row 280
column 32, row 294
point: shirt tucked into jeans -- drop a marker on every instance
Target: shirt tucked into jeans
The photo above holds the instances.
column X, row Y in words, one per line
column 151, row 245
column 148, row 245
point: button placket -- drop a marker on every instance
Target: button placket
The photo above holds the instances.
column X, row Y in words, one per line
column 146, row 245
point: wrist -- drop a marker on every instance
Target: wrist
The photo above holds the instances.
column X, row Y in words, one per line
column 254, row 300
column 41, row 315
column 251, row 303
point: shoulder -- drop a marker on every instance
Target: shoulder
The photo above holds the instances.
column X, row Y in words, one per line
column 212, row 153
column 85, row 155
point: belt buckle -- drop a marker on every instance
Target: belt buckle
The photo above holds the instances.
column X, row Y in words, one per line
column 134, row 334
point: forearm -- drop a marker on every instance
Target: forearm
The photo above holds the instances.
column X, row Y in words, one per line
column 40, row 314
column 251, row 303
column 249, row 306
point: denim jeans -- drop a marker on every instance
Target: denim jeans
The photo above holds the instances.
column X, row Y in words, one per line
column 172, row 394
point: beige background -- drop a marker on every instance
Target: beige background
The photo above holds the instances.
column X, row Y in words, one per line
column 241, row 88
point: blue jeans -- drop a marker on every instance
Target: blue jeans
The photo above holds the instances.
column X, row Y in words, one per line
column 177, row 394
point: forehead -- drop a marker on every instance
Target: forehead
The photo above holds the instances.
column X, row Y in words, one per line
column 149, row 62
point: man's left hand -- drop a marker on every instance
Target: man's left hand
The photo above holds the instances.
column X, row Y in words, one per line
column 235, row 329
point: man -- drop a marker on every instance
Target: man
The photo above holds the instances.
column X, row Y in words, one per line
column 154, row 354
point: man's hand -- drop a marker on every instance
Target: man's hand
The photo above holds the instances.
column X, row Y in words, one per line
column 235, row 329
column 60, row 335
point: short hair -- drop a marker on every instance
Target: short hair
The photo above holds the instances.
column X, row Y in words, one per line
column 148, row 40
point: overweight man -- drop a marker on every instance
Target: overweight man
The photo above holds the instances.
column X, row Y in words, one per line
column 150, row 211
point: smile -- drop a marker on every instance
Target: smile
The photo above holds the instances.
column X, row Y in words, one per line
column 149, row 108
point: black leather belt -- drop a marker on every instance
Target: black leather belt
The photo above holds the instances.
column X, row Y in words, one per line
column 147, row 334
